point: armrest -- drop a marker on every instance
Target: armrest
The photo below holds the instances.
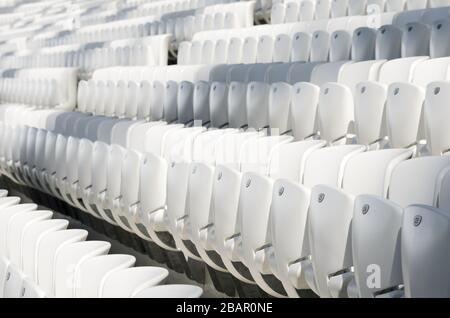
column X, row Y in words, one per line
column 338, row 284
column 297, row 274
column 207, row 236
column 233, row 245
column 263, row 258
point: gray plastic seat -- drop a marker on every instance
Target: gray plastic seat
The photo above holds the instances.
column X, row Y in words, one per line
column 388, row 43
column 439, row 42
column 416, row 40
column 363, row 44
column 424, row 252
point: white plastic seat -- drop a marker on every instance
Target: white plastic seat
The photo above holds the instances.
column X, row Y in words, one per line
column 282, row 48
column 30, row 247
column 320, row 44
column 137, row 280
column 307, row 10
column 322, row 10
column 340, row 46
column 395, row 5
column 335, row 112
column 291, row 12
column 339, row 8
column 434, row 112
column 277, row 15
column 218, row 104
column 301, row 46
column 220, row 51
column 48, row 249
column 399, row 70
column 68, row 259
column 249, row 50
column 305, row 98
column 431, row 70
column 257, row 105
column 91, row 275
column 234, row 54
column 332, row 269
column 403, row 114
column 370, row 100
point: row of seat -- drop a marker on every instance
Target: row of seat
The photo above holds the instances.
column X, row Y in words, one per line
column 41, row 257
column 122, row 197
column 151, row 50
column 48, row 87
column 308, row 10
column 40, row 93
column 388, row 42
column 147, row 24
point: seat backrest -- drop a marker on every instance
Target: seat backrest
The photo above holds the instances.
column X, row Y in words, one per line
column 68, row 259
column 201, row 106
column 416, row 40
column 90, row 276
column 326, row 166
column 144, row 107
column 257, row 105
column 220, row 51
column 185, row 108
column 340, row 46
column 253, row 213
column 31, row 240
column 388, row 43
column 416, row 4
column 277, row 13
column 49, row 247
column 320, row 44
column 363, row 44
column 282, row 48
column 404, row 191
column 234, row 51
column 370, row 101
column 425, row 256
column 431, row 70
column 439, row 42
column 322, row 9
column 279, row 107
column 395, row 5
column 357, row 7
column 18, row 225
column 339, row 8
column 403, row 114
column 301, row 47
column 249, row 50
column 359, row 180
column 435, row 111
column 307, row 10
column 303, row 109
column 292, row 11
column 288, row 160
column 335, row 112
column 257, row 153
column 153, row 174
column 128, row 282
column 376, row 228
